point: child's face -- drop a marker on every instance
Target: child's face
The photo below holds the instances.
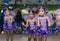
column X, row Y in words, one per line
column 7, row 12
column 31, row 15
column 41, row 13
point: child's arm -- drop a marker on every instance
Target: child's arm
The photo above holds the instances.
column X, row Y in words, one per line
column 23, row 24
column 5, row 19
column 55, row 21
column 49, row 24
column 38, row 22
column 26, row 23
column 11, row 19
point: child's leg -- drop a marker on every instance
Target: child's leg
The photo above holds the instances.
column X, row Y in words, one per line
column 44, row 38
column 56, row 31
column 11, row 35
column 7, row 35
column 35, row 37
column 29, row 37
column 39, row 38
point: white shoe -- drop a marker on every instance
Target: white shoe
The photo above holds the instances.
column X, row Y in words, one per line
column 2, row 32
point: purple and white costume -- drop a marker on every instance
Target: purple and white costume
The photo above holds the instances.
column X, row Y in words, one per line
column 58, row 21
column 30, row 25
column 58, row 25
column 7, row 26
column 43, row 29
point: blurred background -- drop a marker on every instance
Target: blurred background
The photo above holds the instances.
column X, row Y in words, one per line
column 19, row 9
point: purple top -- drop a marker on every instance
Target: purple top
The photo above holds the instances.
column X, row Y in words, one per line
column 8, row 26
column 32, row 24
column 8, row 20
column 44, row 24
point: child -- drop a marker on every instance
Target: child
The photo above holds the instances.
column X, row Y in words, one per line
column 43, row 23
column 30, row 27
column 9, row 25
column 58, row 24
column 54, row 26
column 56, row 16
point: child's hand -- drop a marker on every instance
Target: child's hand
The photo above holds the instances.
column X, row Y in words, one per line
column 11, row 21
column 23, row 24
column 49, row 27
column 31, row 28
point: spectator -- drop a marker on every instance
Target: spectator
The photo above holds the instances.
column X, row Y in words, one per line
column 19, row 19
column 2, row 18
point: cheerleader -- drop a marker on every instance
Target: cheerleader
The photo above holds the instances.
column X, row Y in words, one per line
column 31, row 27
column 43, row 23
column 56, row 16
column 9, row 25
column 58, row 23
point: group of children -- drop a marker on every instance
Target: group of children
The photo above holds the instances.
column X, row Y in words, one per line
column 40, row 24
column 36, row 24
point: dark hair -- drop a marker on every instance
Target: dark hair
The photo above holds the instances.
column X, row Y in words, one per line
column 54, row 18
column 31, row 11
column 8, row 9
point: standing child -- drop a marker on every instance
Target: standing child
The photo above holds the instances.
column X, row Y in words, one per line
column 54, row 26
column 58, row 23
column 9, row 25
column 30, row 27
column 43, row 23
